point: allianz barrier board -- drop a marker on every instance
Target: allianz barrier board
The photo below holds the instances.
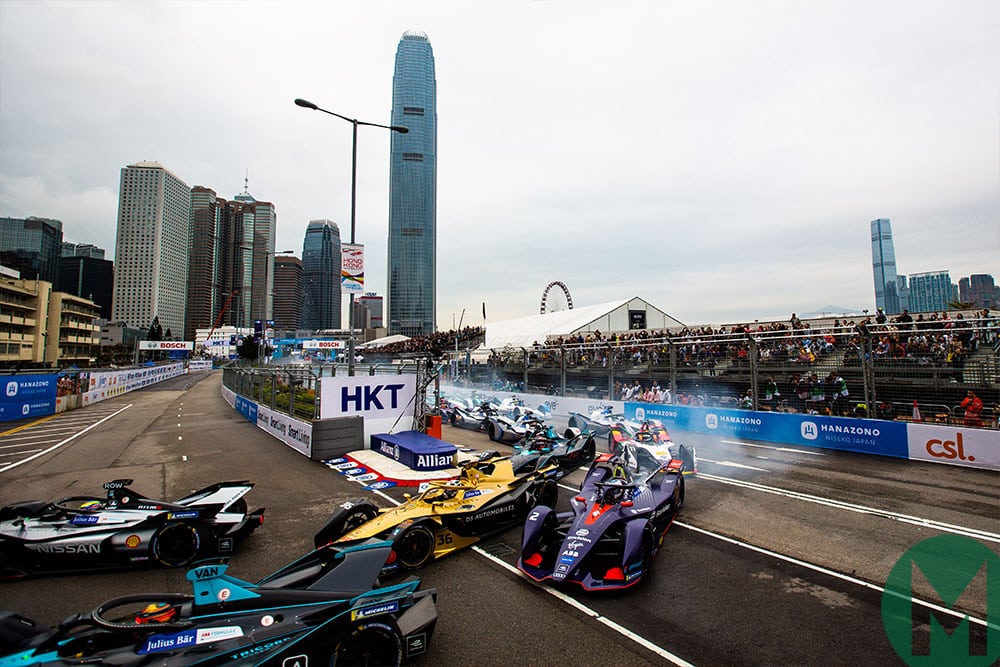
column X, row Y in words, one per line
column 868, row 436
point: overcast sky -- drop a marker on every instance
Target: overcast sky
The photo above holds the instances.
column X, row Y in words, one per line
column 722, row 160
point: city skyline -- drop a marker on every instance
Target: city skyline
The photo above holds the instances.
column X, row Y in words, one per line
column 719, row 161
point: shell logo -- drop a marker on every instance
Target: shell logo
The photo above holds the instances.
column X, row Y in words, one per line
column 132, row 541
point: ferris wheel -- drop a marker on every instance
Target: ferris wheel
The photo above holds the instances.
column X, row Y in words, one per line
column 554, row 300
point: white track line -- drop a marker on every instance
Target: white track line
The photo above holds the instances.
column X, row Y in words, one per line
column 860, row 509
column 777, row 449
column 63, row 442
column 625, row 632
column 833, row 573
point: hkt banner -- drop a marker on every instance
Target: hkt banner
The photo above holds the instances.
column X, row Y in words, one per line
column 385, row 401
column 28, row 396
column 352, row 268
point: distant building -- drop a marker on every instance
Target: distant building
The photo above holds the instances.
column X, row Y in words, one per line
column 254, row 227
column 88, row 277
column 931, row 291
column 884, row 267
column 369, row 314
column 45, row 328
column 151, row 251
column 412, row 262
column 82, row 250
column 321, row 276
column 32, row 246
column 287, row 293
column 980, row 290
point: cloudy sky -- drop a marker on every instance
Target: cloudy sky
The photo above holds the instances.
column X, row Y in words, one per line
column 720, row 159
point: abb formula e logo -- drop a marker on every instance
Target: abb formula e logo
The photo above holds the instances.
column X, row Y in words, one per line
column 948, row 449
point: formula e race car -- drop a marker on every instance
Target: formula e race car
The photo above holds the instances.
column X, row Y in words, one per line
column 123, row 529
column 486, row 498
column 569, row 452
column 325, row 608
column 654, row 438
column 617, row 523
column 600, row 422
column 512, row 421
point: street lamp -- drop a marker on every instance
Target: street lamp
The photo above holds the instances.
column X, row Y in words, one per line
column 354, row 191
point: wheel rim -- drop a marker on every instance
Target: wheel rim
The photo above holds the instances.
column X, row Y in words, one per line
column 176, row 544
column 415, row 547
column 356, row 519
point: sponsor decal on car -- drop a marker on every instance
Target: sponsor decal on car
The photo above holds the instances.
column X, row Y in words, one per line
column 190, row 514
column 66, row 548
column 84, row 520
column 375, row 610
column 416, row 644
column 132, row 541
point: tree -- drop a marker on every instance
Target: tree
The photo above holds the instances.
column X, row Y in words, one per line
column 155, row 330
column 168, row 335
column 960, row 305
column 248, row 349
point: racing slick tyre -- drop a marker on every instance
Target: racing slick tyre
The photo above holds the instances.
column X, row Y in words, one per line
column 548, row 495
column 370, row 644
column 680, row 494
column 343, row 523
column 454, row 419
column 589, row 450
column 415, row 547
column 176, row 544
column 495, row 432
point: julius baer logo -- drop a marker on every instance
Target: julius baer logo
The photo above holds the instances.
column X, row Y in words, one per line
column 955, row 568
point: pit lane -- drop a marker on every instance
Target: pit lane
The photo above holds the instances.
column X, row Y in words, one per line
column 709, row 601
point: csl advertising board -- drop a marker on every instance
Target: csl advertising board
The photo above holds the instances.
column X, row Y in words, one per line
column 973, row 447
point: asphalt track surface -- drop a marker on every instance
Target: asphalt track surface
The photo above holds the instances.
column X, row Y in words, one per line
column 778, row 557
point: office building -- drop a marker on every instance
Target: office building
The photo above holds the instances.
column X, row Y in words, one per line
column 321, row 276
column 254, row 230
column 369, row 314
column 151, row 248
column 46, row 328
column 287, row 293
column 88, row 277
column 979, row 289
column 931, row 291
column 412, row 262
column 884, row 267
column 204, row 294
column 32, row 246
column 82, row 250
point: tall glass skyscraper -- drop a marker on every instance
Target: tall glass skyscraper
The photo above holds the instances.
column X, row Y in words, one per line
column 412, row 258
column 321, row 276
column 884, row 267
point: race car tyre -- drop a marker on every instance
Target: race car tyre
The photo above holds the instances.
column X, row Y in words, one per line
column 176, row 544
column 495, row 432
column 376, row 643
column 357, row 517
column 548, row 495
column 589, row 450
column 415, row 547
column 612, row 444
column 454, row 419
column 647, row 553
column 680, row 497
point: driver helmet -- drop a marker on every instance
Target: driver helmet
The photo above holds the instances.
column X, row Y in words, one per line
column 157, row 612
column 616, row 491
column 91, row 506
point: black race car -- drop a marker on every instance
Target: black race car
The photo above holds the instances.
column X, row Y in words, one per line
column 570, row 451
column 326, row 608
column 123, row 529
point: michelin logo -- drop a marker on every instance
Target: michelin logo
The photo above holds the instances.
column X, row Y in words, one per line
column 809, row 430
column 366, row 612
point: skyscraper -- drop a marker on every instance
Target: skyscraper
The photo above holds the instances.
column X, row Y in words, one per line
column 884, row 267
column 151, row 248
column 321, row 276
column 203, row 292
column 32, row 246
column 413, row 190
column 287, row 292
column 255, row 229
column 931, row 291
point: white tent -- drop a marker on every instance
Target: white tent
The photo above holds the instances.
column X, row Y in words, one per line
column 385, row 340
column 622, row 315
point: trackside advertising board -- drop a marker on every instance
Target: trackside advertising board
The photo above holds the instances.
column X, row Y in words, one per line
column 868, row 436
column 385, row 401
column 102, row 385
column 28, row 396
column 293, row 432
column 973, row 447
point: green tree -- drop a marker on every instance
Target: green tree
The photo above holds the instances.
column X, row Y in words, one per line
column 248, row 349
column 155, row 330
column 960, row 305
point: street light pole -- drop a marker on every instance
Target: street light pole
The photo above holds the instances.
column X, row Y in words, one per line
column 354, row 195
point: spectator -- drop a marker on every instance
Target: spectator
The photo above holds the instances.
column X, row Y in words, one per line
column 838, row 391
column 771, row 394
column 746, row 402
column 817, row 394
column 802, row 392
column 880, row 316
column 973, row 409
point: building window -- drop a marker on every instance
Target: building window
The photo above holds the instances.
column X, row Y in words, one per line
column 413, row 157
column 413, row 111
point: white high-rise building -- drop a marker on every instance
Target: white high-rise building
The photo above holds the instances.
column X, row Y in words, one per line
column 151, row 248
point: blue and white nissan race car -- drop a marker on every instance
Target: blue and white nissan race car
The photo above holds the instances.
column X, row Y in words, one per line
column 123, row 529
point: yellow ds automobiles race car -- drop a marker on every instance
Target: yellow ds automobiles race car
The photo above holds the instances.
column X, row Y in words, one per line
column 486, row 498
